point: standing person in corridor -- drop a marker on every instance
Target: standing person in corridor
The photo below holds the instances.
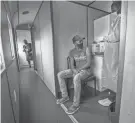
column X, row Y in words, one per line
column 27, row 48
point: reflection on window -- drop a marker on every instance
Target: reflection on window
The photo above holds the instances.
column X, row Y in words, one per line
column 2, row 62
column 11, row 38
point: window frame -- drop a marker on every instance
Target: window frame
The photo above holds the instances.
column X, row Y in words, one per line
column 10, row 30
column 2, row 60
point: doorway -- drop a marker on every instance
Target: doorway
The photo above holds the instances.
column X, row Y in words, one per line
column 21, row 36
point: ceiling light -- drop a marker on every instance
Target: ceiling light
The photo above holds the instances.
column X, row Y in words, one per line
column 25, row 12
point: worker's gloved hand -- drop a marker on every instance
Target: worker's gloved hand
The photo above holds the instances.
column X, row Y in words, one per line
column 105, row 38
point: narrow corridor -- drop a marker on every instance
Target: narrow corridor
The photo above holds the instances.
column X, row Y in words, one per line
column 41, row 34
column 37, row 103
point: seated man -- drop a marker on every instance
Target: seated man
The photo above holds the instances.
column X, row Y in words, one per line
column 82, row 57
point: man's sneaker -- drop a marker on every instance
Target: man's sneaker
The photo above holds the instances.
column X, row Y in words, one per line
column 72, row 109
column 62, row 100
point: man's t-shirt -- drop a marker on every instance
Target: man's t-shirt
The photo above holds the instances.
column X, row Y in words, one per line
column 79, row 57
column 28, row 51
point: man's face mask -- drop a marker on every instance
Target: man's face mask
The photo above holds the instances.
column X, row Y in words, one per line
column 79, row 44
column 115, row 10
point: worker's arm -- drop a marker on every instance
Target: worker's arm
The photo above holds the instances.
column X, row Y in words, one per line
column 88, row 56
column 115, row 34
column 24, row 49
column 117, row 31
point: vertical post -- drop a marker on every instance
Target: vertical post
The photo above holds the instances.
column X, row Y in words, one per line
column 18, row 10
column 15, row 34
column 33, row 47
column 87, row 25
column 54, row 57
column 127, row 108
column 121, row 55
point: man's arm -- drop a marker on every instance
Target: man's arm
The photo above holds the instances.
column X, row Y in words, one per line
column 71, row 60
column 88, row 56
column 24, row 49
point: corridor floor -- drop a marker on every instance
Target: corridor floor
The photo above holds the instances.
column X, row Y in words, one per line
column 37, row 103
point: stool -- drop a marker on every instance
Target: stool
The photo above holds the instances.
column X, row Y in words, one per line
column 85, row 81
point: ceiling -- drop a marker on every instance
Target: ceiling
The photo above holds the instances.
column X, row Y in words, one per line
column 33, row 7
column 85, row 2
column 104, row 6
column 24, row 20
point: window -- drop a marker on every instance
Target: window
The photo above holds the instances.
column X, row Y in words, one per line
column 2, row 62
column 11, row 38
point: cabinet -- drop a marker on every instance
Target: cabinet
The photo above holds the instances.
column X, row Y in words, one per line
column 98, row 71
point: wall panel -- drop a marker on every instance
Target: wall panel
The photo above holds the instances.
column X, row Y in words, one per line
column 93, row 15
column 36, row 37
column 47, row 45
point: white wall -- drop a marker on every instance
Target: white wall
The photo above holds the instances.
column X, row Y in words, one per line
column 127, row 111
column 47, row 45
column 93, row 15
column 42, row 36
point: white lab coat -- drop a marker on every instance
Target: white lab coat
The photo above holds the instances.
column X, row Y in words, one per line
column 111, row 55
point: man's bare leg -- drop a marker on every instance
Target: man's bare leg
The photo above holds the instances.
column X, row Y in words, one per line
column 29, row 63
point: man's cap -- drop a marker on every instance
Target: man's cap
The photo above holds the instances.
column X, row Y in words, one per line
column 77, row 38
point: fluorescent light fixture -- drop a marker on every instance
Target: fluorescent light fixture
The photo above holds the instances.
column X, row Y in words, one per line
column 25, row 12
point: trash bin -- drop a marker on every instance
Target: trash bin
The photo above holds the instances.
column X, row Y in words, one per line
column 112, row 113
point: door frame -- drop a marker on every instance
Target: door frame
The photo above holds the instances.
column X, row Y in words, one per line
column 122, row 45
column 33, row 47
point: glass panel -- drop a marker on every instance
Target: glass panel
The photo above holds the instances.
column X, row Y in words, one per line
column 5, row 38
column 11, row 38
column 2, row 62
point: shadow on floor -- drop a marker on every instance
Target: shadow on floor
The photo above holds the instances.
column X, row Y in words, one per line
column 37, row 103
